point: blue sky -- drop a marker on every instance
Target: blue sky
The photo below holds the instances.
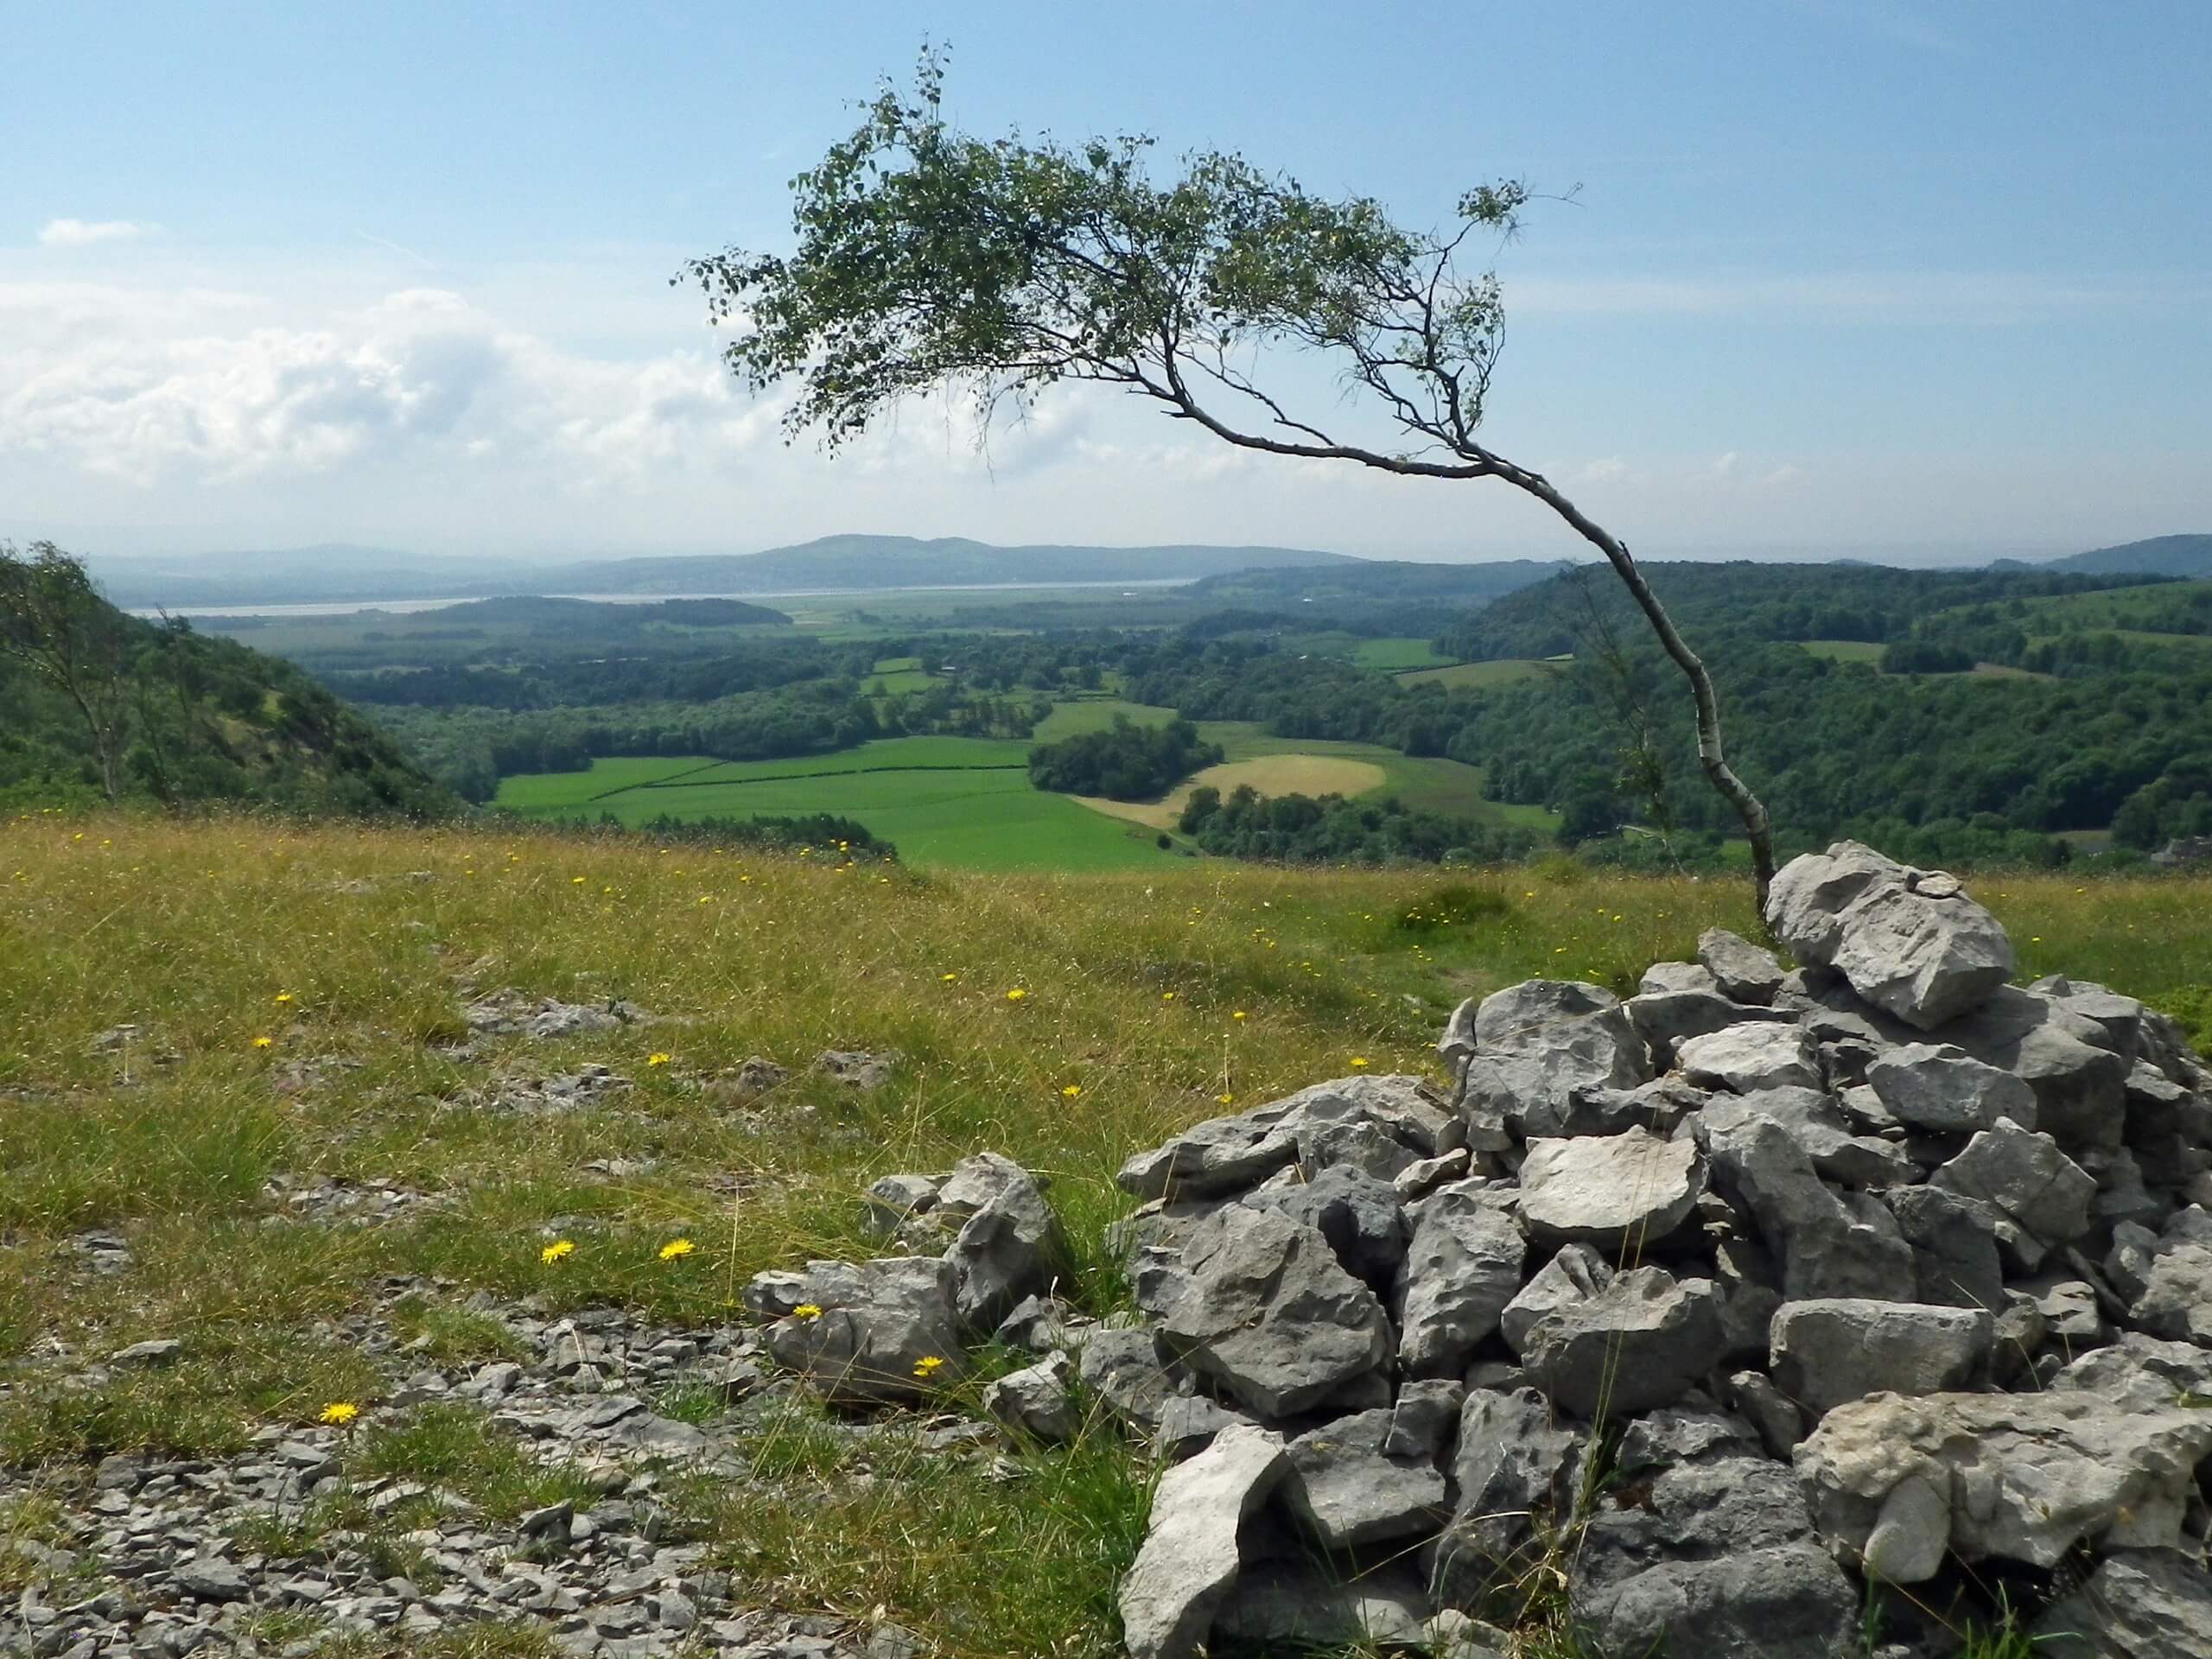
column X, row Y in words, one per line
column 1839, row 276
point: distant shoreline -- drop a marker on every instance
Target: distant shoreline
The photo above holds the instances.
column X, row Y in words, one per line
column 407, row 607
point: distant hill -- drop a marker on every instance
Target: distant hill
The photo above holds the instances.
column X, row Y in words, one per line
column 337, row 573
column 2161, row 555
column 328, row 573
column 867, row 563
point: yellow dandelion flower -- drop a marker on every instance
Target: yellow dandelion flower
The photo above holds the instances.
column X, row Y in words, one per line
column 1239, row 1015
column 1358, row 1061
column 1167, row 996
column 656, row 1059
column 558, row 1248
column 948, row 978
column 1016, row 995
column 674, row 1248
column 576, row 880
column 1072, row 1091
column 263, row 1042
column 1226, row 1099
column 806, row 1311
column 283, row 997
column 339, row 1413
column 927, row 1365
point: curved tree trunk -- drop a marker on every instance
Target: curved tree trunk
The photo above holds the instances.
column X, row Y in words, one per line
column 1710, row 755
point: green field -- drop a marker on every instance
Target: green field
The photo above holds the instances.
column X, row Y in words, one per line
column 952, row 803
column 1503, row 672
column 1082, row 715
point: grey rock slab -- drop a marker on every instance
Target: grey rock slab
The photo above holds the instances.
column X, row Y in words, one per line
column 1743, row 971
column 1358, row 1214
column 1424, row 1175
column 159, row 1353
column 1540, row 1043
column 1009, row 1247
column 1271, row 1316
column 2175, row 1300
column 2023, row 1174
column 1662, row 977
column 1909, row 941
column 1954, row 1241
column 2080, row 1083
column 878, row 1321
column 209, row 1578
column 1575, row 1273
column 1617, row 1191
column 1711, row 1555
column 1937, row 1086
column 1124, row 1370
column 1823, row 1246
column 1642, row 1341
column 1348, row 1490
column 893, row 1200
column 1299, row 1606
column 1665, row 1020
column 1223, row 1155
column 1895, row 1483
column 1517, row 1472
column 1189, row 1560
column 2139, row 1604
column 1751, row 1055
column 1035, row 1401
column 857, row 1069
column 1827, row 1351
column 1462, row 1267
column 1817, row 1123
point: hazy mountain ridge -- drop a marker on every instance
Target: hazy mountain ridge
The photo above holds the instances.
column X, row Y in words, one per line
column 2159, row 556
column 338, row 573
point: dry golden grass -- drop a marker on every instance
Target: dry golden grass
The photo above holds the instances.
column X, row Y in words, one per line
column 1270, row 774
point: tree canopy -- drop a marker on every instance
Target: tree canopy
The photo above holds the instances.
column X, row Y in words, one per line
column 929, row 260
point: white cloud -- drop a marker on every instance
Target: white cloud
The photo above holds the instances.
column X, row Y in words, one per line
column 419, row 375
column 83, row 233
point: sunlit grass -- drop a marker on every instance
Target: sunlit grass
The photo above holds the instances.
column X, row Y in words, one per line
column 352, row 950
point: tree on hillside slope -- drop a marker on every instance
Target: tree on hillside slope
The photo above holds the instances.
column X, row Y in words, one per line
column 54, row 623
column 931, row 260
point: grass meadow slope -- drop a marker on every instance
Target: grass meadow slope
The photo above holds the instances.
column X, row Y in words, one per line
column 295, row 989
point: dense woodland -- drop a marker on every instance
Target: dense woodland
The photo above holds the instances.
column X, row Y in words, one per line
column 1126, row 762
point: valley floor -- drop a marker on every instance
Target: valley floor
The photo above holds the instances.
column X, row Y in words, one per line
column 242, row 1111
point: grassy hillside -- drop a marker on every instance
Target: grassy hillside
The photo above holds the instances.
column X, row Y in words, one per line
column 294, row 991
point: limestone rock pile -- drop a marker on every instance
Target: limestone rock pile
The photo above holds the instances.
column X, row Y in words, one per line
column 1724, row 1299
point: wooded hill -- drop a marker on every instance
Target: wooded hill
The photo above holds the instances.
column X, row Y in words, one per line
column 97, row 704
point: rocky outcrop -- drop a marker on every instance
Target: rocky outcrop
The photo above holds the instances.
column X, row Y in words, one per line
column 1719, row 1301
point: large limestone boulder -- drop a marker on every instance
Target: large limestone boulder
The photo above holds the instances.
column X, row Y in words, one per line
column 1750, row 1056
column 1226, row 1155
column 1189, row 1560
column 1743, row 972
column 2067, row 1059
column 1909, row 941
column 1617, row 1192
column 1894, row 1483
column 1270, row 1314
column 860, row 1332
column 1825, row 1352
column 2175, row 1297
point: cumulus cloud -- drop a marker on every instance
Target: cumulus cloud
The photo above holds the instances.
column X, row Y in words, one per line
column 83, row 233
column 419, row 375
